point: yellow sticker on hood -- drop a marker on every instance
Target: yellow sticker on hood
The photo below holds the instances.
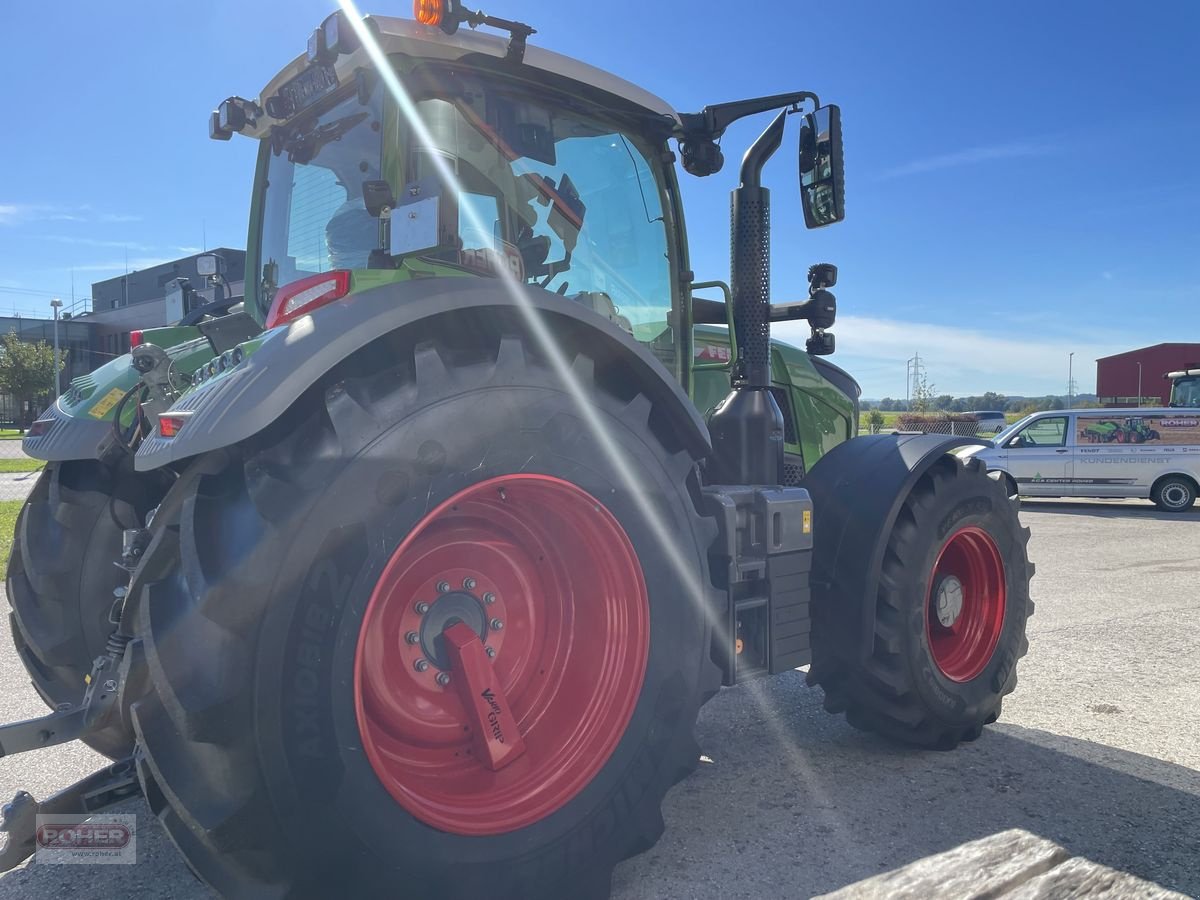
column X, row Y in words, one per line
column 105, row 404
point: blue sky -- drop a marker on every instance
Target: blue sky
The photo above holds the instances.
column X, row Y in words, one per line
column 1022, row 178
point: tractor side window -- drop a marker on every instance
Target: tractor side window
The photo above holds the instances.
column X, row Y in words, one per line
column 565, row 202
column 1050, row 432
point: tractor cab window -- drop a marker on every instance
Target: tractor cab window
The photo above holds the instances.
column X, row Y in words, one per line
column 1186, row 393
column 1048, row 432
column 563, row 201
column 314, row 216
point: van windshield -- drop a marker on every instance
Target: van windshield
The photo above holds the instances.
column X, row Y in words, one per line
column 1012, row 429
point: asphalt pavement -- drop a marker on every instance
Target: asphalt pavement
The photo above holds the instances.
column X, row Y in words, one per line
column 1098, row 749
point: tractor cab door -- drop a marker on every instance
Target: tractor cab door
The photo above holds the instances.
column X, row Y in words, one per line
column 1039, row 458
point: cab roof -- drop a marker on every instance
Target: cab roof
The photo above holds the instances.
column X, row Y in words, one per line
column 396, row 35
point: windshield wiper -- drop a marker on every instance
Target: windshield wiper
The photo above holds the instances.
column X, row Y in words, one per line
column 303, row 146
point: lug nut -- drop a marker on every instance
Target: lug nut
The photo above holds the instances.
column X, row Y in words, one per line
column 490, row 651
column 443, row 678
column 469, row 583
column 443, row 586
column 422, row 607
column 412, row 637
column 421, row 665
column 496, row 624
column 489, row 598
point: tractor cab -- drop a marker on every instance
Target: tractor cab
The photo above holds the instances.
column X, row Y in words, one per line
column 451, row 164
column 457, row 153
column 1185, row 388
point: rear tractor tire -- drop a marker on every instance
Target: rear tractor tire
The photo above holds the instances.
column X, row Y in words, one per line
column 951, row 607
column 62, row 574
column 300, row 651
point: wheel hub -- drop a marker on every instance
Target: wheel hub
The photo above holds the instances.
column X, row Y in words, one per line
column 964, row 612
column 949, row 596
column 446, row 611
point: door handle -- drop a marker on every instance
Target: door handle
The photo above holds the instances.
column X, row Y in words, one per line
column 1061, row 451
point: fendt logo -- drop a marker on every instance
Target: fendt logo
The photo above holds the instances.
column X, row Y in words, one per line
column 85, row 836
column 494, row 714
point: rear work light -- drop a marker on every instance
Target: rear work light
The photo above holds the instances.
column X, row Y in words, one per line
column 170, row 424
column 303, row 296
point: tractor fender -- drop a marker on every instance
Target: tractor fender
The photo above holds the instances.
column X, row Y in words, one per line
column 293, row 358
column 857, row 490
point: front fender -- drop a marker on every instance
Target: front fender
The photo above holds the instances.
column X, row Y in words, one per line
column 857, row 490
column 291, row 359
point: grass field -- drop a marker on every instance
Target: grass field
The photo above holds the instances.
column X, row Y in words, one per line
column 9, row 509
column 10, row 434
column 20, row 464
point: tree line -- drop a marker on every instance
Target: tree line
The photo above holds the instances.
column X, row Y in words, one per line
column 988, row 401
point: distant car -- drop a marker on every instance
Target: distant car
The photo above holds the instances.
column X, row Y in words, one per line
column 990, row 420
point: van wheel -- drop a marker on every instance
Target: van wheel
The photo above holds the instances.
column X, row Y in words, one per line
column 1175, row 493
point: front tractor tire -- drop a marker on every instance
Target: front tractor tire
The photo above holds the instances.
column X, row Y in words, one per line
column 406, row 543
column 62, row 574
column 950, row 614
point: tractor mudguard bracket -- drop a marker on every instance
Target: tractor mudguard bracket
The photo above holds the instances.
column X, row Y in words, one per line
column 761, row 560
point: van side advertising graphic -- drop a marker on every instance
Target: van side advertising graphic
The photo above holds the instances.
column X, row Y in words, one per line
column 1171, row 430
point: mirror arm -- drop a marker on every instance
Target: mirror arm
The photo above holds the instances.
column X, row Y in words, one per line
column 711, row 122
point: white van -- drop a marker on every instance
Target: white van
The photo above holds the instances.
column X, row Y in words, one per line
column 1147, row 453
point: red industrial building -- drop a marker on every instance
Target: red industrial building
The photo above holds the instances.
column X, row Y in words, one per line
column 1121, row 379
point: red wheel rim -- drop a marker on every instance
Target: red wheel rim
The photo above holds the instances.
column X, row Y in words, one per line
column 558, row 571
column 964, row 612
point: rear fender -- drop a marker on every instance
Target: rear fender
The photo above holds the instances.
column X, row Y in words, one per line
column 857, row 491
column 291, row 359
column 79, row 424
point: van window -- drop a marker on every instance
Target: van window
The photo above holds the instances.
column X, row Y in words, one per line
column 1048, row 432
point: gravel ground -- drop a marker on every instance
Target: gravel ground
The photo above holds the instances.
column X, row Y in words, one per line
column 1098, row 749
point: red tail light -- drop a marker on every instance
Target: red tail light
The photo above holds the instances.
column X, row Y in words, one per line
column 135, row 339
column 170, row 424
column 303, row 296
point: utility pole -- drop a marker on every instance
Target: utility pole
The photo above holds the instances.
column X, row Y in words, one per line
column 57, row 305
column 1071, row 380
column 912, row 374
column 1139, row 385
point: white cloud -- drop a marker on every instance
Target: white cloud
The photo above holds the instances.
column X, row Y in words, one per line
column 94, row 242
column 958, row 361
column 17, row 213
column 970, row 156
column 134, row 263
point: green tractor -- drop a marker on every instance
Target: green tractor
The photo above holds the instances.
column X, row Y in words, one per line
column 443, row 541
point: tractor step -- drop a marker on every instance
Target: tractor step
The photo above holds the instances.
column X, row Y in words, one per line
column 101, row 789
column 762, row 559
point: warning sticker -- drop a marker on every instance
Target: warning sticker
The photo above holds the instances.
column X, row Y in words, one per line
column 105, row 404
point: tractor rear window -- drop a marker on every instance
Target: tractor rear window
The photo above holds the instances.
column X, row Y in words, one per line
column 314, row 216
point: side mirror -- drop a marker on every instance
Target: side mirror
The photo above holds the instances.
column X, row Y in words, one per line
column 822, row 176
